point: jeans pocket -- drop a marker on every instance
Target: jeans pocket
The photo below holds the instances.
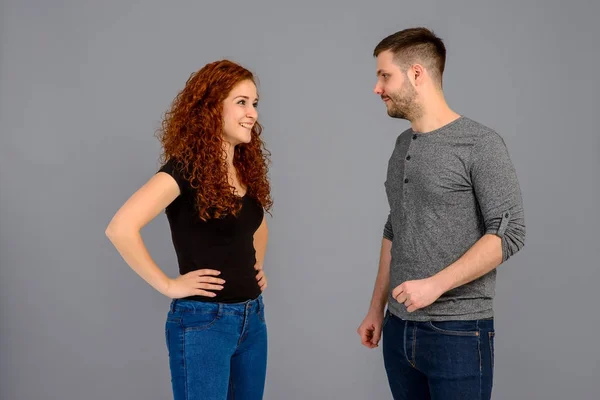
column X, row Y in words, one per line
column 455, row 328
column 202, row 318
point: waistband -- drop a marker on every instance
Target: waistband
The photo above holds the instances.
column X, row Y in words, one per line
column 193, row 306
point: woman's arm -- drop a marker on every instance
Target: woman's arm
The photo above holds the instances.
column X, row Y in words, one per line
column 261, row 237
column 124, row 233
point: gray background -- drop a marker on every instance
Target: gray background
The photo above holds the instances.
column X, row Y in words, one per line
column 83, row 86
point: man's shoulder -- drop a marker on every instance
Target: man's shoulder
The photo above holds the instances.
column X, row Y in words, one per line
column 487, row 143
column 404, row 134
column 480, row 131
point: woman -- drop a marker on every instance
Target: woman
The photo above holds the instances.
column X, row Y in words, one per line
column 213, row 186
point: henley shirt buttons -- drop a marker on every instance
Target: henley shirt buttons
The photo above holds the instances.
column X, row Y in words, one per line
column 406, row 180
column 408, row 157
column 414, row 137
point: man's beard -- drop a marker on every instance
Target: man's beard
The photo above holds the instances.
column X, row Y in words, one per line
column 403, row 105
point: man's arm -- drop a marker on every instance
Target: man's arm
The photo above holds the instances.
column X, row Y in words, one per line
column 481, row 258
column 370, row 329
column 498, row 194
column 382, row 283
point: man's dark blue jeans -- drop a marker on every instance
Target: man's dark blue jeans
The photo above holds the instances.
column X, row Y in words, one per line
column 449, row 360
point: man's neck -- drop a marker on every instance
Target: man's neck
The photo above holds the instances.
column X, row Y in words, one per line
column 436, row 114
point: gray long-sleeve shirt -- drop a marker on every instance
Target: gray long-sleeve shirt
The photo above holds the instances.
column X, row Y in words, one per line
column 446, row 189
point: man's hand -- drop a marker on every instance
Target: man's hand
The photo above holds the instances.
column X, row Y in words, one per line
column 261, row 277
column 370, row 329
column 417, row 294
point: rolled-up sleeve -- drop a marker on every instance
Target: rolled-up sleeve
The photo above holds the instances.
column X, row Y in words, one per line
column 498, row 193
column 388, row 232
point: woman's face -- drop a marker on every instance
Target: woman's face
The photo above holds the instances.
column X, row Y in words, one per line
column 239, row 113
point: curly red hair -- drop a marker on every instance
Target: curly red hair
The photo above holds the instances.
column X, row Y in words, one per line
column 192, row 134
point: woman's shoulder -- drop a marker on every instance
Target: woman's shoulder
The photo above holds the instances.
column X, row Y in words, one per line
column 176, row 169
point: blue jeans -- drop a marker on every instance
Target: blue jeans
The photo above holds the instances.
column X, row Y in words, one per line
column 217, row 351
column 450, row 360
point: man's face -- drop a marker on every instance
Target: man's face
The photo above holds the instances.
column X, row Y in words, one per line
column 394, row 88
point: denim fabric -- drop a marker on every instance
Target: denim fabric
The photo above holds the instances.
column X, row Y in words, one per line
column 439, row 360
column 217, row 351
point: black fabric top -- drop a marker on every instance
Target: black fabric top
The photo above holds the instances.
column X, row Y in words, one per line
column 224, row 244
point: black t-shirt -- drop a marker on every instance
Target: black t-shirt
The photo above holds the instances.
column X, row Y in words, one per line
column 225, row 244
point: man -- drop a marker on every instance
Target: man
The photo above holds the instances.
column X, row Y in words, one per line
column 455, row 214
